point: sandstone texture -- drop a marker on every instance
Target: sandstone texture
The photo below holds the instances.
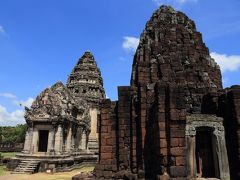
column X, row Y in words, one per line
column 175, row 121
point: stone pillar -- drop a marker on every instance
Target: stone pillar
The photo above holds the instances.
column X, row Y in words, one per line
column 35, row 140
column 83, row 143
column 191, row 149
column 222, row 153
column 69, row 139
column 93, row 115
column 50, row 147
column 93, row 136
column 191, row 157
column 28, row 140
column 58, row 140
column 73, row 146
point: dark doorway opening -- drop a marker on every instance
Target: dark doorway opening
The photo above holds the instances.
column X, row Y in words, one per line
column 43, row 141
column 206, row 158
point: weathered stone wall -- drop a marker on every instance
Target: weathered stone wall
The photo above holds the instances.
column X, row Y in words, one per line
column 108, row 142
column 11, row 147
column 229, row 108
column 173, row 76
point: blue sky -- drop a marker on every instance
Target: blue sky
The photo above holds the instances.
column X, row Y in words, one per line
column 41, row 41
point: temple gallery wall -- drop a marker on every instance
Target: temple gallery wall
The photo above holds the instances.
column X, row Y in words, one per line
column 174, row 121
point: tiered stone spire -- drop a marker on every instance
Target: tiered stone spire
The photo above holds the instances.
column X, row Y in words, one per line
column 85, row 81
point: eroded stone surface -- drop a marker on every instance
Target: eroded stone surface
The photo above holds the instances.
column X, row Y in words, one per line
column 173, row 78
column 61, row 119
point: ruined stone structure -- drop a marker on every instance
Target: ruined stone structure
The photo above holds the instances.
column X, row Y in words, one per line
column 57, row 123
column 85, row 82
column 62, row 122
column 175, row 121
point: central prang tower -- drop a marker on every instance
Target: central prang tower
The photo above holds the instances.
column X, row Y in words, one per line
column 85, row 82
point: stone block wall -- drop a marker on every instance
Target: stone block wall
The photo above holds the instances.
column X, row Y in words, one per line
column 108, row 145
column 226, row 104
column 173, row 76
column 229, row 109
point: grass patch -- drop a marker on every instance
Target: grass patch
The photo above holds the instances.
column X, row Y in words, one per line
column 8, row 154
column 3, row 170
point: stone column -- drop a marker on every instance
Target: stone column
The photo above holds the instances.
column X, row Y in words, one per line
column 69, row 139
column 58, row 140
column 50, row 147
column 93, row 116
column 191, row 149
column 191, row 156
column 28, row 140
column 35, row 140
column 73, row 141
column 93, row 136
column 222, row 153
column 83, row 144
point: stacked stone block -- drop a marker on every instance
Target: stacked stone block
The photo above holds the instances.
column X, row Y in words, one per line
column 108, row 143
column 229, row 108
column 173, row 76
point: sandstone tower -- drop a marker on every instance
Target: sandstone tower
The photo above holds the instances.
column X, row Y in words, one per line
column 85, row 82
column 170, row 122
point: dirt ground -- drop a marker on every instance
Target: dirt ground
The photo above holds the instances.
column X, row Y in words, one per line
column 45, row 176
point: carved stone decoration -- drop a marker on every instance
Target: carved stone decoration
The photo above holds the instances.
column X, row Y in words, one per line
column 85, row 82
column 195, row 121
column 61, row 118
column 56, row 104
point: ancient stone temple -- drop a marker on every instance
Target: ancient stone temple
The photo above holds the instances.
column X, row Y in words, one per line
column 57, row 123
column 62, row 122
column 175, row 121
column 85, row 82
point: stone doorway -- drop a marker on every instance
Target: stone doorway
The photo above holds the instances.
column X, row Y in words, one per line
column 43, row 141
column 205, row 153
column 206, row 147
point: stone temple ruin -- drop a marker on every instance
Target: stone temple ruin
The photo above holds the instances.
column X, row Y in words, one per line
column 175, row 121
column 62, row 122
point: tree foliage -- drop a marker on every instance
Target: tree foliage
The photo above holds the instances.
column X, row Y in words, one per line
column 13, row 134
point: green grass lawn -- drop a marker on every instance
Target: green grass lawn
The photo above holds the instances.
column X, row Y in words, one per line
column 3, row 170
column 8, row 154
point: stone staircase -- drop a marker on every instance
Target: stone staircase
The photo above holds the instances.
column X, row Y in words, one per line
column 93, row 146
column 26, row 167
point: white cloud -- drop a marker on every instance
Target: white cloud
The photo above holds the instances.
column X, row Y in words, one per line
column 12, row 118
column 173, row 2
column 15, row 117
column 16, row 101
column 27, row 103
column 130, row 43
column 8, row 95
column 227, row 63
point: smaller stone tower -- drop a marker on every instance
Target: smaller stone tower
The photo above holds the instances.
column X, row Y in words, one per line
column 85, row 82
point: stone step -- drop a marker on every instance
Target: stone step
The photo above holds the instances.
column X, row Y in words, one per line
column 26, row 166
